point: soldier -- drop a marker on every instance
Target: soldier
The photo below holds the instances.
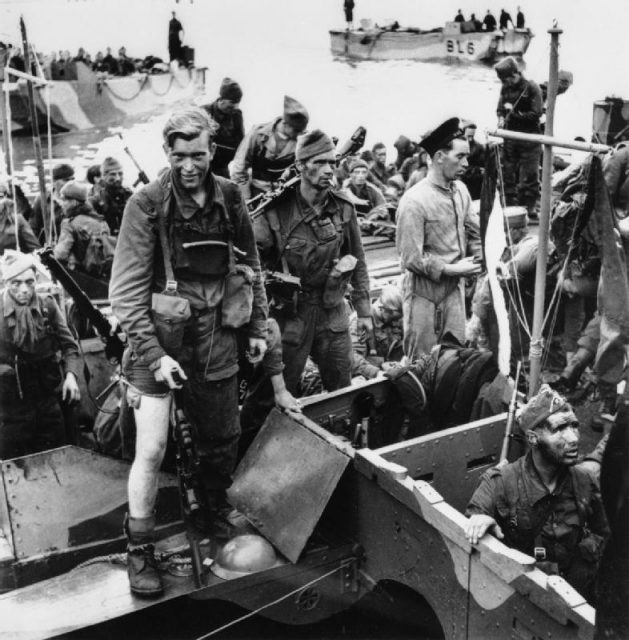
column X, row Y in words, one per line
column 9, row 218
column 268, row 150
column 380, row 172
column 520, row 108
column 438, row 241
column 61, row 174
column 185, row 228
column 312, row 233
column 32, row 332
column 543, row 504
column 364, row 195
column 228, row 116
column 473, row 177
column 110, row 196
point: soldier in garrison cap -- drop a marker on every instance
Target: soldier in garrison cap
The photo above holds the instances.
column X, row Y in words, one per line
column 268, row 150
column 545, row 504
column 231, row 130
column 520, row 108
column 438, row 240
column 312, row 232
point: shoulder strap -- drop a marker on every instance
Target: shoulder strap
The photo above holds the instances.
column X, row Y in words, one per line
column 171, row 283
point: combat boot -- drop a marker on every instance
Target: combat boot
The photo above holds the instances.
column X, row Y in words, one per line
column 577, row 364
column 144, row 578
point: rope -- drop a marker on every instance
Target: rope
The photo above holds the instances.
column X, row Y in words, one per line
column 11, row 161
column 270, row 604
column 170, row 84
column 126, row 99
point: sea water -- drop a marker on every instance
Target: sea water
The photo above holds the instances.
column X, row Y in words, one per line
column 277, row 47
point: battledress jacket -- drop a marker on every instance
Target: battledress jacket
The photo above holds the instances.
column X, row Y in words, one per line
column 527, row 106
column 138, row 270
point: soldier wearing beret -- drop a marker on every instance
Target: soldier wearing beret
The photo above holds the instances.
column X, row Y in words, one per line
column 520, row 108
column 33, row 332
column 110, row 195
column 544, row 504
column 225, row 112
column 268, row 150
column 438, row 240
column 312, row 233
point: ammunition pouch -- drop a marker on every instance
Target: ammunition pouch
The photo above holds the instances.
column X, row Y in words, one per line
column 170, row 313
column 237, row 297
column 337, row 281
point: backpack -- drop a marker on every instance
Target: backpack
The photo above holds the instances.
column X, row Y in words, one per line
column 99, row 254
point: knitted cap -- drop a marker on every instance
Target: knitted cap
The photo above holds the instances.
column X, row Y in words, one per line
column 74, row 191
column 110, row 164
column 15, row 262
column 62, row 172
column 357, row 163
column 230, row 90
column 506, row 67
column 541, row 406
column 295, row 114
column 312, row 144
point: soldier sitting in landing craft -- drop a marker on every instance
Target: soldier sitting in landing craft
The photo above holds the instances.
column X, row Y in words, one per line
column 543, row 504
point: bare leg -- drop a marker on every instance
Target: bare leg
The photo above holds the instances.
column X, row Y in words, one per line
column 152, row 420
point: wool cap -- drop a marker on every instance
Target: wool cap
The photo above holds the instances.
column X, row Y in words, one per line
column 62, row 172
column 75, row 191
column 295, row 114
column 506, row 67
column 541, row 406
column 15, row 262
column 312, row 144
column 441, row 136
column 230, row 90
column 357, row 163
column 110, row 164
column 515, row 217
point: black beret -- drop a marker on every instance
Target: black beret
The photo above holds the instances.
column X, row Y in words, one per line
column 441, row 136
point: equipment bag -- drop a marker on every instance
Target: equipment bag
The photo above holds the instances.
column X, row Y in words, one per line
column 99, row 254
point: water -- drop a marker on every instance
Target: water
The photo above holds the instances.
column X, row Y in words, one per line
column 273, row 47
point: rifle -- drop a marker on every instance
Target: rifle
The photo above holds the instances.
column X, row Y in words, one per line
column 189, row 474
column 356, row 141
column 142, row 177
column 506, row 441
column 114, row 346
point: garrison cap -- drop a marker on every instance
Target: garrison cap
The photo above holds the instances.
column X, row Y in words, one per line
column 110, row 164
column 506, row 67
column 541, row 406
column 441, row 136
column 230, row 90
column 15, row 262
column 515, row 217
column 295, row 114
column 62, row 172
column 312, row 144
column 75, row 191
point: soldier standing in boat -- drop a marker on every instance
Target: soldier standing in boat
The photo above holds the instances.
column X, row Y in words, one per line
column 348, row 8
column 312, row 233
column 179, row 235
column 175, row 29
column 268, row 150
column 32, row 332
column 519, row 109
column 225, row 112
column 438, row 240
column 110, row 195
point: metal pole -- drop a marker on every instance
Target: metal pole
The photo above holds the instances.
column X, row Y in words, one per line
column 5, row 125
column 35, row 130
column 590, row 147
column 536, row 348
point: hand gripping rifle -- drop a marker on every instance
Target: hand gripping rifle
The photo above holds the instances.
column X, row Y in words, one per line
column 260, row 204
column 114, row 346
column 142, row 177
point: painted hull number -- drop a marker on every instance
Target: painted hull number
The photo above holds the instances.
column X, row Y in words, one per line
column 460, row 48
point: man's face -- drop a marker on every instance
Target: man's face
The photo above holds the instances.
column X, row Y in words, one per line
column 22, row 287
column 227, row 106
column 453, row 163
column 558, row 439
column 291, row 131
column 68, row 203
column 358, row 176
column 511, row 80
column 469, row 133
column 380, row 155
column 113, row 177
column 389, row 314
column 318, row 171
column 190, row 160
column 58, row 184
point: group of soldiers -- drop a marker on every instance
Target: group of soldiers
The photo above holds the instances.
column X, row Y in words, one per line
column 187, row 290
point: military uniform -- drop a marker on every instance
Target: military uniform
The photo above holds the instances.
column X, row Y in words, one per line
column 26, row 238
column 564, row 529
column 31, row 376
column 616, row 174
column 369, row 197
column 230, row 134
column 293, row 236
column 110, row 203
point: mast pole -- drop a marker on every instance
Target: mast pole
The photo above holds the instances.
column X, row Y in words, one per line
column 5, row 127
column 36, row 139
column 537, row 344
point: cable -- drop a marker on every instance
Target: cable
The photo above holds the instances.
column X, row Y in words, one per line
column 270, row 604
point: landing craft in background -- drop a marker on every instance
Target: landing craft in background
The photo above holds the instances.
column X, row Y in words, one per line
column 454, row 41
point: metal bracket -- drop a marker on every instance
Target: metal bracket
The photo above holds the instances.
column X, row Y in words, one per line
column 350, row 576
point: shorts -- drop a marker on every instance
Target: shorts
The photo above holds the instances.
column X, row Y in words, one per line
column 139, row 376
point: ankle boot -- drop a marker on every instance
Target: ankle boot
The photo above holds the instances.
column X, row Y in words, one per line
column 577, row 364
column 144, row 578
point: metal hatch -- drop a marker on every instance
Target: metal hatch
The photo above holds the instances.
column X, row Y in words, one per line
column 285, row 480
